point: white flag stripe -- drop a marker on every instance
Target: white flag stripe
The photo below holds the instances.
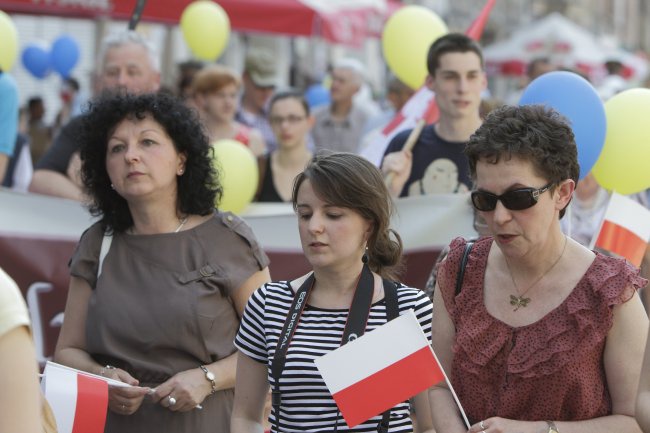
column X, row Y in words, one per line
column 629, row 214
column 372, row 352
column 61, row 394
column 111, row 382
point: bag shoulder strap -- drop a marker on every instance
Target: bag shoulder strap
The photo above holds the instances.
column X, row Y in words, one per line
column 463, row 263
column 103, row 251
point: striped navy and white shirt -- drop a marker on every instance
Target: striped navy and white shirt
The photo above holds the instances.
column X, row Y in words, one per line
column 307, row 405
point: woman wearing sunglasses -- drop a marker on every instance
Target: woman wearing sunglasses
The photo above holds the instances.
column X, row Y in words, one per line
column 543, row 334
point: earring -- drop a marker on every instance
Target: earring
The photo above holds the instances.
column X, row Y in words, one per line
column 181, row 171
column 364, row 258
column 112, row 186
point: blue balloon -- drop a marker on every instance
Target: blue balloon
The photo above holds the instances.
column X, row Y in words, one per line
column 64, row 55
column 36, row 60
column 317, row 95
column 576, row 99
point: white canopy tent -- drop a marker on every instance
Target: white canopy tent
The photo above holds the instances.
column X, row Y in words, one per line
column 566, row 44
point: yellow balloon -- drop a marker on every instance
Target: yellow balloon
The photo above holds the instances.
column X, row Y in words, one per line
column 206, row 28
column 623, row 164
column 8, row 42
column 406, row 39
column 238, row 174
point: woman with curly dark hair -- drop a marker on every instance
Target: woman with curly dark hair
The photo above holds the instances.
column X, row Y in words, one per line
column 159, row 283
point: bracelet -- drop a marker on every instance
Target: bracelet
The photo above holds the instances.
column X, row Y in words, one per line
column 102, row 372
column 209, row 376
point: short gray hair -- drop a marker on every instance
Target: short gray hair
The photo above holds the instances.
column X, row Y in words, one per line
column 127, row 37
column 353, row 65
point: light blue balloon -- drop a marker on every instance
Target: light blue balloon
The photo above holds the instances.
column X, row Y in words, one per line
column 36, row 60
column 317, row 95
column 64, row 55
column 576, row 99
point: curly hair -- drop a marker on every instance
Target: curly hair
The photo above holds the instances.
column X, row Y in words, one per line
column 350, row 181
column 533, row 133
column 198, row 188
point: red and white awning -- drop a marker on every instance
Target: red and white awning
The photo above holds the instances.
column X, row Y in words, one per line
column 337, row 21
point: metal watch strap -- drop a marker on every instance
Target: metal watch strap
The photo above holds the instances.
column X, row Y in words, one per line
column 551, row 427
column 209, row 376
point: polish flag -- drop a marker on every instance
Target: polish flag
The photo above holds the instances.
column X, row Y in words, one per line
column 422, row 105
column 78, row 400
column 625, row 229
column 380, row 369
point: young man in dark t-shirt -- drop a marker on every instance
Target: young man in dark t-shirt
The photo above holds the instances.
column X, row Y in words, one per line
column 436, row 164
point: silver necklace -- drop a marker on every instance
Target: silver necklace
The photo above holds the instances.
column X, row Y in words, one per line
column 180, row 226
column 519, row 300
column 131, row 230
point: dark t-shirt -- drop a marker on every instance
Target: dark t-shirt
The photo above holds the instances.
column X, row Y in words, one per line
column 439, row 166
column 57, row 158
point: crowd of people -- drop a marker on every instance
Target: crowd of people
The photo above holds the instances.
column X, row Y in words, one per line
column 536, row 332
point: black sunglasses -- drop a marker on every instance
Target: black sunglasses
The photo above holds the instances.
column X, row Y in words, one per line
column 517, row 199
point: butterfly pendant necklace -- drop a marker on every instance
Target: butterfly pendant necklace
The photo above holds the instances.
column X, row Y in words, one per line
column 520, row 300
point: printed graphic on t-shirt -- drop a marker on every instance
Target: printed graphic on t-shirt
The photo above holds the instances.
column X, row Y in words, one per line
column 440, row 177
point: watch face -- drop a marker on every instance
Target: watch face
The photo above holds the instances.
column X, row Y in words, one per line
column 209, row 375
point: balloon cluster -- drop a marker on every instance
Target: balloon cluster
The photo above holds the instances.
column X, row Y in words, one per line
column 62, row 57
column 613, row 139
column 577, row 100
column 206, row 28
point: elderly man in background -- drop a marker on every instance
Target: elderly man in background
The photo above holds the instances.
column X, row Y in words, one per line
column 260, row 78
column 339, row 126
column 126, row 62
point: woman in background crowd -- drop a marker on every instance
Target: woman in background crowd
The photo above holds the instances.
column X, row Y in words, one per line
column 216, row 92
column 291, row 122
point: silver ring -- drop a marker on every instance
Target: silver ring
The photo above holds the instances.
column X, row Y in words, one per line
column 172, row 400
column 482, row 425
column 123, row 408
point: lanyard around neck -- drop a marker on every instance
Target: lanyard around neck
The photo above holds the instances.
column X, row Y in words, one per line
column 355, row 325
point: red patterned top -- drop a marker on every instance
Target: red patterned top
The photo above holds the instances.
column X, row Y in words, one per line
column 550, row 369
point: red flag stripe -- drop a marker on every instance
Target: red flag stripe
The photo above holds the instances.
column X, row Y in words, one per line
column 399, row 381
column 92, row 401
column 393, row 123
column 621, row 241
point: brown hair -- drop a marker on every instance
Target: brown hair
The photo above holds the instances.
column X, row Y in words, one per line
column 350, row 181
column 213, row 78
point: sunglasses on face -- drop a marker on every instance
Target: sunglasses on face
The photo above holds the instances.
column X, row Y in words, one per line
column 517, row 199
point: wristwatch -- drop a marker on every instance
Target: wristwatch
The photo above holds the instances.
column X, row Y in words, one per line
column 551, row 427
column 210, row 377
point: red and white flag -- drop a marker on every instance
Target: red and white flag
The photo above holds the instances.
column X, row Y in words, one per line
column 380, row 369
column 422, row 105
column 625, row 229
column 78, row 400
